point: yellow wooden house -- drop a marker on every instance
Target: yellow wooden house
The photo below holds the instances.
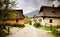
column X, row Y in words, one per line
column 19, row 19
column 49, row 16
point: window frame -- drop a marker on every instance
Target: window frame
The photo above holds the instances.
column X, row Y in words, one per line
column 16, row 20
column 50, row 21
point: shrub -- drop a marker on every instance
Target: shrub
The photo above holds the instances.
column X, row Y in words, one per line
column 27, row 20
column 3, row 33
column 37, row 24
column 54, row 32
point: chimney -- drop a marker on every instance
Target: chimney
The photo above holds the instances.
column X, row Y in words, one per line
column 52, row 5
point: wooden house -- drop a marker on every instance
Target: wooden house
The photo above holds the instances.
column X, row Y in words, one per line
column 19, row 19
column 49, row 15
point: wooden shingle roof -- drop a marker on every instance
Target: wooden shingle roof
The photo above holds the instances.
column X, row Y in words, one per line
column 48, row 11
column 19, row 15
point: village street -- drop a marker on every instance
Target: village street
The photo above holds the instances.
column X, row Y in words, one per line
column 28, row 31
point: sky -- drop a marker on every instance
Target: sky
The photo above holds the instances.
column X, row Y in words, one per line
column 31, row 5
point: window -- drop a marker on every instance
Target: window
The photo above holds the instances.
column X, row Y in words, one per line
column 54, row 12
column 40, row 20
column 34, row 19
column 50, row 20
column 16, row 20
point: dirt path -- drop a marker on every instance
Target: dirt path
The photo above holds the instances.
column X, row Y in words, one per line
column 29, row 31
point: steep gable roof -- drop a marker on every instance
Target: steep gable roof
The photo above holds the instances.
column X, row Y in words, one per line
column 41, row 9
column 19, row 15
column 49, row 11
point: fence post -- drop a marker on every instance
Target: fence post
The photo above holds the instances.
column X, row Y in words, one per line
column 51, row 27
column 8, row 29
column 45, row 24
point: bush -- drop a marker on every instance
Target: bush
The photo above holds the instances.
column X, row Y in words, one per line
column 4, row 26
column 3, row 33
column 37, row 24
column 54, row 32
column 27, row 20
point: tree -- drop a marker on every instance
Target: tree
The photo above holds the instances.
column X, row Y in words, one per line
column 6, row 12
column 5, row 6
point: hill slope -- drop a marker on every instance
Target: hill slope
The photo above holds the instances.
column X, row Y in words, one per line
column 31, row 14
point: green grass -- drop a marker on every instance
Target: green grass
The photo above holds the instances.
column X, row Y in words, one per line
column 7, row 27
column 46, row 28
column 53, row 31
column 39, row 26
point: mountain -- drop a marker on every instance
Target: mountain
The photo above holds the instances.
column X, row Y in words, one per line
column 31, row 14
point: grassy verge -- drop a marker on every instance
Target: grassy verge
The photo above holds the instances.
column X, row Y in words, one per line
column 53, row 30
column 46, row 28
column 39, row 26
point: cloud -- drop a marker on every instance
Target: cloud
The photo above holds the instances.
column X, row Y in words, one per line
column 30, row 5
column 56, row 3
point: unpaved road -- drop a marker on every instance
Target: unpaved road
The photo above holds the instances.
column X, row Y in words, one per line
column 28, row 31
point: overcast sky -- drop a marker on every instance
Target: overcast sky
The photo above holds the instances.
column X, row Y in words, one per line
column 31, row 5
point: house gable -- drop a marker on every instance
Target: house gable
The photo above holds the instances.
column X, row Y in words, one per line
column 48, row 11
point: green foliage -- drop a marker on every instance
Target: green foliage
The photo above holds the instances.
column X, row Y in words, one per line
column 5, row 12
column 7, row 9
column 3, row 33
column 6, row 33
column 7, row 4
column 11, row 14
column 27, row 20
column 1, row 4
column 36, row 24
column 54, row 32
column 46, row 28
column 8, row 14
